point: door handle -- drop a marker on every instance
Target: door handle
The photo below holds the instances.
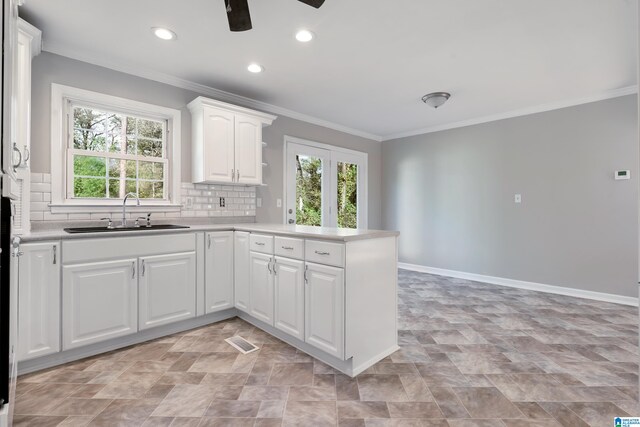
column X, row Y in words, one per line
column 133, row 270
column 306, row 267
column 209, row 244
column 233, row 175
column 269, row 266
column 237, row 175
column 274, row 267
column 287, row 248
column 17, row 150
column 143, row 269
column 27, row 154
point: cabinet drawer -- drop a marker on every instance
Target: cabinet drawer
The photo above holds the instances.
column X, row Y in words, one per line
column 290, row 248
column 324, row 252
column 261, row 243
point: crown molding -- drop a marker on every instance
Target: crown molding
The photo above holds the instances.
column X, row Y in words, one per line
column 218, row 94
column 615, row 93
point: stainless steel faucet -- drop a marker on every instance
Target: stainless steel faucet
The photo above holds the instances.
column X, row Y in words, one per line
column 124, row 208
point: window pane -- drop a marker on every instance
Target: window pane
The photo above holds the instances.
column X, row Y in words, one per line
column 122, row 168
column 308, row 190
column 151, row 170
column 89, row 187
column 151, row 190
column 89, row 166
column 88, row 140
column 131, row 145
column 89, row 129
column 114, row 133
column 116, row 189
column 347, row 195
column 158, row 190
column 150, row 148
column 149, row 129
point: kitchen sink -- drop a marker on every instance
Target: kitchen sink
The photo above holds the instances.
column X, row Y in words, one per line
column 76, row 230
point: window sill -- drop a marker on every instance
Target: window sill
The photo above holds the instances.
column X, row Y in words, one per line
column 101, row 207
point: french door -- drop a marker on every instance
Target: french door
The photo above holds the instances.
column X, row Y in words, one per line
column 325, row 185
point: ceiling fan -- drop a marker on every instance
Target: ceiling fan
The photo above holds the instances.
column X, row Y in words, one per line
column 240, row 19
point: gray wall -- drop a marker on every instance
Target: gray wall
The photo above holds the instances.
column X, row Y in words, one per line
column 451, row 195
column 50, row 68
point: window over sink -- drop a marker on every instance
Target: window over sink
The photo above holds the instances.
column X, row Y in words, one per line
column 104, row 147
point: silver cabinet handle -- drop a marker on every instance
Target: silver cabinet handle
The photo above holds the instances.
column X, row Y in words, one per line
column 306, row 267
column 288, row 248
column 209, row 243
column 15, row 243
column 274, row 267
column 269, row 266
column 55, row 254
column 259, row 243
column 233, row 175
column 17, row 150
column 27, row 154
column 323, row 253
column 237, row 175
column 143, row 269
column 133, row 270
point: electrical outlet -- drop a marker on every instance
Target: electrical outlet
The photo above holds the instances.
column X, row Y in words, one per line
column 222, row 202
column 518, row 198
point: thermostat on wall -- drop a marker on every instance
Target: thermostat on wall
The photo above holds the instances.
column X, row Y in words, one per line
column 623, row 174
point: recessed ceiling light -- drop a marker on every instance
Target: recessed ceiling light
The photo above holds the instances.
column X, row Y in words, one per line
column 164, row 33
column 255, row 68
column 304, row 36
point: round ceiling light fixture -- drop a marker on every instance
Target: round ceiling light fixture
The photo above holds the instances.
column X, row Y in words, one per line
column 436, row 99
column 304, row 36
column 164, row 33
column 255, row 68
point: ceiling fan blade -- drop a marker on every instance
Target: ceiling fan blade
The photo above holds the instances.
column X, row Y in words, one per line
column 314, row 3
column 238, row 15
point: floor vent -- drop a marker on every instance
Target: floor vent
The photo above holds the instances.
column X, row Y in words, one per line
column 242, row 345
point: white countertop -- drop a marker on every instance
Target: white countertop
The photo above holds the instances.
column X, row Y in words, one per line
column 325, row 233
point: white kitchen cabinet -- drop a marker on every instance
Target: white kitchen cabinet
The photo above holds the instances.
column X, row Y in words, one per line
column 324, row 308
column 241, row 270
column 167, row 289
column 39, row 300
column 219, row 271
column 289, row 296
column 99, row 300
column 261, row 288
column 226, row 142
column 248, row 150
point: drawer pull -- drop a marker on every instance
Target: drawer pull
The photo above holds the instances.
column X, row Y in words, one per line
column 288, row 248
column 259, row 243
column 323, row 253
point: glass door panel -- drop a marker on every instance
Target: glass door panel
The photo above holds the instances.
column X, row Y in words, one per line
column 347, row 212
column 308, row 186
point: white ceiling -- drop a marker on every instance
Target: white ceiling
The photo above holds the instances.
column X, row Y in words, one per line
column 372, row 60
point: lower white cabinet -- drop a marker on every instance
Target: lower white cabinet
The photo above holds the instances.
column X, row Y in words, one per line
column 167, row 289
column 261, row 288
column 324, row 308
column 99, row 300
column 219, row 271
column 39, row 300
column 242, row 274
column 289, row 296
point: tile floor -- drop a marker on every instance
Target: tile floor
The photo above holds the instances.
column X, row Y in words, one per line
column 471, row 354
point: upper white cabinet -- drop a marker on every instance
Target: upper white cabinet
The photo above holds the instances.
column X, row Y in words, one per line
column 100, row 301
column 241, row 270
column 226, row 142
column 167, row 289
column 39, row 300
column 219, row 271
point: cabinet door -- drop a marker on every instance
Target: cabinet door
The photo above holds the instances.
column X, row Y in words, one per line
column 324, row 308
column 261, row 289
column 167, row 289
column 241, row 270
column 289, row 296
column 248, row 150
column 218, row 134
column 39, row 300
column 219, row 271
column 100, row 302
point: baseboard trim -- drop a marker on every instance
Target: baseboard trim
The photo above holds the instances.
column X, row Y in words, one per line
column 520, row 284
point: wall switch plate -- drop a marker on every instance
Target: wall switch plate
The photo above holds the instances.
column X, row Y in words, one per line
column 518, row 198
column 278, row 203
column 259, row 202
column 623, row 175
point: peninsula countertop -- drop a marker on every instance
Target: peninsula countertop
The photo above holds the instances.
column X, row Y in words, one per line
column 302, row 231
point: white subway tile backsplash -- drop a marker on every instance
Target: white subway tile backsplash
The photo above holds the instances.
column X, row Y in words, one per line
column 41, row 187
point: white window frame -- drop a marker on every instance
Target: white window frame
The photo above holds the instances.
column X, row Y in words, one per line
column 336, row 154
column 62, row 97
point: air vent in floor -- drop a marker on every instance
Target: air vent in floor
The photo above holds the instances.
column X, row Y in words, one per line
column 241, row 344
